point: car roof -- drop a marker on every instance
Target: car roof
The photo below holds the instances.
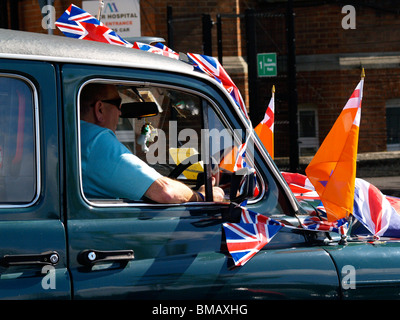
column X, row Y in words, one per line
column 43, row 47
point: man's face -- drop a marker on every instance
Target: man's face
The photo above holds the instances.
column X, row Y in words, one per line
column 111, row 108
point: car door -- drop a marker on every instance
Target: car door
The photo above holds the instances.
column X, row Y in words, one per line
column 142, row 250
column 368, row 269
column 32, row 236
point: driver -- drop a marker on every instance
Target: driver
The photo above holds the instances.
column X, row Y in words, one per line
column 109, row 169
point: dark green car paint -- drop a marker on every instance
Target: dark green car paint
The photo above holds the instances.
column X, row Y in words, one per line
column 376, row 266
column 38, row 228
column 179, row 250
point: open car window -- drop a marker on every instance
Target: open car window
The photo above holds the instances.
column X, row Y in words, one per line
column 179, row 134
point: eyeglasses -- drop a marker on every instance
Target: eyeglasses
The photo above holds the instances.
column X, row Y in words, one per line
column 115, row 102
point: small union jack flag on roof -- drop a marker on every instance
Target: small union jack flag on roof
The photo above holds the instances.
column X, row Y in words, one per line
column 158, row 49
column 79, row 24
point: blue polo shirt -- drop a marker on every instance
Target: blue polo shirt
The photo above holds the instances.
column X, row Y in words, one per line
column 109, row 169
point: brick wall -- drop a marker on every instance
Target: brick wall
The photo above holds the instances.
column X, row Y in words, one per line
column 319, row 30
column 30, row 17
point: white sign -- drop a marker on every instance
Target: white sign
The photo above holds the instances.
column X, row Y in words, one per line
column 122, row 16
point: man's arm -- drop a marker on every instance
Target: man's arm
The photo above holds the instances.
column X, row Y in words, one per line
column 166, row 190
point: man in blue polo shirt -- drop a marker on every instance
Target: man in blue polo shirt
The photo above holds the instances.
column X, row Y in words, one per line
column 109, row 169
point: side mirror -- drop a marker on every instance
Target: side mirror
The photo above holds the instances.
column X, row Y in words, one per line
column 242, row 185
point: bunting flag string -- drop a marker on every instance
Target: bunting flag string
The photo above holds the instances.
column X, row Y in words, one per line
column 247, row 237
column 79, row 24
column 157, row 49
column 212, row 67
column 314, row 223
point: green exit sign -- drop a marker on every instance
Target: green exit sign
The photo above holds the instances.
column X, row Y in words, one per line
column 266, row 65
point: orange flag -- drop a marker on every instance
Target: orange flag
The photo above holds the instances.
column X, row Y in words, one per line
column 265, row 129
column 332, row 171
column 228, row 161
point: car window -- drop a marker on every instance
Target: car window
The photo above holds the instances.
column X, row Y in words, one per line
column 177, row 132
column 18, row 166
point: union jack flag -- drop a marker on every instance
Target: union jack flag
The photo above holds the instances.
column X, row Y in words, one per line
column 314, row 223
column 301, row 186
column 251, row 234
column 212, row 67
column 240, row 161
column 79, row 24
column 157, row 49
column 165, row 48
column 380, row 214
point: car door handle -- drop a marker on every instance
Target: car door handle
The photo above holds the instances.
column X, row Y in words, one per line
column 90, row 257
column 45, row 258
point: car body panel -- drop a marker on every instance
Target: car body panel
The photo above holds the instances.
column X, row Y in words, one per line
column 178, row 253
column 37, row 227
column 368, row 270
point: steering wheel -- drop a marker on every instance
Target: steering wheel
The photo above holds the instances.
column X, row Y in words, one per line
column 184, row 165
column 180, row 168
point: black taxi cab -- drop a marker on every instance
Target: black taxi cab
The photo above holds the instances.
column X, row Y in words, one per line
column 56, row 242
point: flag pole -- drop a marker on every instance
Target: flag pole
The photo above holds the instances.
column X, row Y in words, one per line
column 101, row 6
column 343, row 238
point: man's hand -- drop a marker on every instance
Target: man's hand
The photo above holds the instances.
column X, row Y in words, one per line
column 218, row 193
